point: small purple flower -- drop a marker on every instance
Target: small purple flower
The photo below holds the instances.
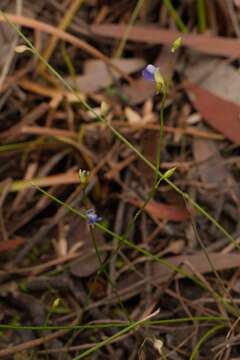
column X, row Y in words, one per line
column 149, row 72
column 92, row 217
column 152, row 73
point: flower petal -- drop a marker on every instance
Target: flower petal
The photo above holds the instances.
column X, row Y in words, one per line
column 148, row 72
column 92, row 217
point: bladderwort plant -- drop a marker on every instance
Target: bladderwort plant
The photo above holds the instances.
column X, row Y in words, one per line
column 159, row 176
column 194, row 204
column 153, row 74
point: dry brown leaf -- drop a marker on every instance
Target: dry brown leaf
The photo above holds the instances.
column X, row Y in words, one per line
column 237, row 3
column 133, row 284
column 163, row 211
column 211, row 168
column 149, row 140
column 98, row 76
column 221, row 114
column 213, row 45
column 213, row 171
column 158, row 345
column 222, row 85
column 218, row 77
column 58, row 179
column 139, row 91
column 176, row 247
column 56, row 95
column 89, row 262
column 132, row 116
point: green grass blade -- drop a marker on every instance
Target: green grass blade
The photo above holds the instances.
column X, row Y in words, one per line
column 203, row 339
column 113, row 324
column 133, row 18
column 201, row 12
column 175, row 16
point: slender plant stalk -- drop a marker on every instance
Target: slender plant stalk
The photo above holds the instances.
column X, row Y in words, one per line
column 129, row 228
column 201, row 12
column 226, row 291
column 71, row 11
column 110, row 339
column 161, row 135
column 175, row 16
column 68, row 62
column 209, row 333
column 21, row 146
column 113, row 324
column 106, row 274
column 133, row 18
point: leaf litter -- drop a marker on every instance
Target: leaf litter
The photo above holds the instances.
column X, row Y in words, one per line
column 50, row 271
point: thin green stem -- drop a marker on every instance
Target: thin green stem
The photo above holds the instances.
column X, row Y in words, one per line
column 21, row 146
column 143, row 207
column 203, row 339
column 175, row 16
column 111, row 325
column 103, row 269
column 110, row 339
column 68, row 61
column 161, row 135
column 201, row 12
column 157, row 180
column 226, row 291
column 130, row 226
column 133, row 18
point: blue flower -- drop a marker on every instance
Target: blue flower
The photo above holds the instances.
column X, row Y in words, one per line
column 92, row 217
column 152, row 73
column 149, row 72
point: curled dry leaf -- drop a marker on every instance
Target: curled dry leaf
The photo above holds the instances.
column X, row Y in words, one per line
column 98, row 76
column 158, row 345
column 132, row 116
column 221, row 114
column 163, row 211
column 214, row 89
column 216, row 76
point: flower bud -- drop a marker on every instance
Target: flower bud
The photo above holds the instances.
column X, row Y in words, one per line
column 176, row 44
